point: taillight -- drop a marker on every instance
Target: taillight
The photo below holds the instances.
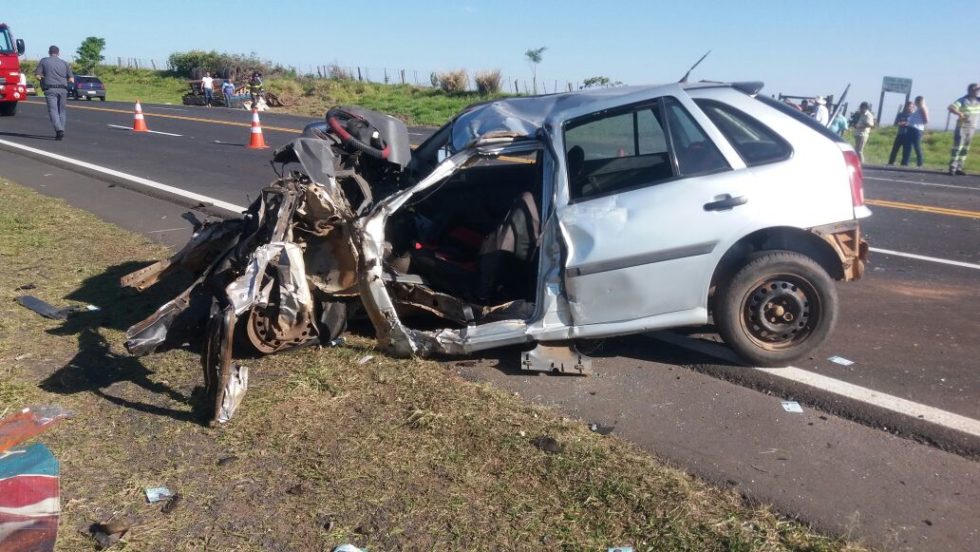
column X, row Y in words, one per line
column 856, row 177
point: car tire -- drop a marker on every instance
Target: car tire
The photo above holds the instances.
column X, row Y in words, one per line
column 776, row 308
column 101, row 98
column 8, row 109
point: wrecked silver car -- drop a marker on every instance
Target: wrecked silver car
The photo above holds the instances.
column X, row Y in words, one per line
column 533, row 221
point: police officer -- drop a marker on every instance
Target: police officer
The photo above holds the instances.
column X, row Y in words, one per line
column 55, row 74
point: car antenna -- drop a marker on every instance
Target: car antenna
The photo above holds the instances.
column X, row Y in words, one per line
column 698, row 62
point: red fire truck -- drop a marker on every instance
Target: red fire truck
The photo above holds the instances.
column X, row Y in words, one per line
column 11, row 89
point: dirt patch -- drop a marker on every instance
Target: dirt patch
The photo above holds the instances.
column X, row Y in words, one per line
column 388, row 454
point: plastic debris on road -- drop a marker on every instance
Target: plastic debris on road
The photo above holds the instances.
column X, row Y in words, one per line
column 30, row 501
column 158, row 494
column 840, row 360
column 792, row 406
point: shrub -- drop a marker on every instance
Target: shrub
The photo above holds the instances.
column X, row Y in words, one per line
column 488, row 82
column 453, row 81
column 337, row 72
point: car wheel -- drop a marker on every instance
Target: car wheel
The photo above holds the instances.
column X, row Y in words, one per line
column 101, row 98
column 8, row 109
column 777, row 308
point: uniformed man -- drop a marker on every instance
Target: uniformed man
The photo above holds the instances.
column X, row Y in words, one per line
column 255, row 88
column 967, row 111
column 55, row 74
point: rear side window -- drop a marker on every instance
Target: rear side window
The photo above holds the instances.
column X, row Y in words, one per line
column 756, row 143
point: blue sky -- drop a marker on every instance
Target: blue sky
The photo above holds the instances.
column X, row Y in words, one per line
column 795, row 47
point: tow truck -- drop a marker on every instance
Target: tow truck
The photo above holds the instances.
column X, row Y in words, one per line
column 11, row 88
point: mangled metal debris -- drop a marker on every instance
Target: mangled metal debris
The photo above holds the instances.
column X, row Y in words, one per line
column 540, row 220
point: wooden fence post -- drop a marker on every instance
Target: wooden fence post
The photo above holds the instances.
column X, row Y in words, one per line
column 403, row 76
column 359, row 77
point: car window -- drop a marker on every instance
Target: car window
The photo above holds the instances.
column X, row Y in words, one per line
column 617, row 152
column 6, row 43
column 696, row 154
column 755, row 142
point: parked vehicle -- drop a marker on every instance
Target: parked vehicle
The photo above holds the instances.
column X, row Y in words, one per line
column 86, row 86
column 534, row 221
column 11, row 89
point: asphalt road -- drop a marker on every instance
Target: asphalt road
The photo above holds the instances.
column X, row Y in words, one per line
column 845, row 464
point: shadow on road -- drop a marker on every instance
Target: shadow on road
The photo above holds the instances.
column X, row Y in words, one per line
column 31, row 136
column 639, row 347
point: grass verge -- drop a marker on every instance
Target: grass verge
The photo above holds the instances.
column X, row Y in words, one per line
column 389, row 454
column 936, row 148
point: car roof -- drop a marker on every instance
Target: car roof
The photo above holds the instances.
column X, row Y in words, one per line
column 522, row 117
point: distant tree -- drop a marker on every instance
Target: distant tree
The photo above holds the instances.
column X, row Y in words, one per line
column 599, row 82
column 89, row 54
column 534, row 58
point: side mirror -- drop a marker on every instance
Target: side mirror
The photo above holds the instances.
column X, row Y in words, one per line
column 20, row 47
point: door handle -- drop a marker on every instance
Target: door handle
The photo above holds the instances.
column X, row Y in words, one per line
column 725, row 202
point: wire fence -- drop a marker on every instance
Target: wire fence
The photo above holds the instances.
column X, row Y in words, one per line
column 523, row 84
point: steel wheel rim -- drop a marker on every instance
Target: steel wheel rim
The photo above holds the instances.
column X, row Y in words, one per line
column 780, row 311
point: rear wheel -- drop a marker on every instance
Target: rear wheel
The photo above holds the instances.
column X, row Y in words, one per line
column 776, row 308
column 8, row 109
column 101, row 98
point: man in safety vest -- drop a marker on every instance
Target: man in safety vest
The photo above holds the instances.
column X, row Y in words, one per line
column 255, row 88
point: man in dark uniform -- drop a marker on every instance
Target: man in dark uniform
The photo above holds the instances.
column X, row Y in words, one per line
column 55, row 74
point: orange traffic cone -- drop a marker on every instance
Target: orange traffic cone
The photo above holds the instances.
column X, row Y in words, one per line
column 257, row 141
column 139, row 124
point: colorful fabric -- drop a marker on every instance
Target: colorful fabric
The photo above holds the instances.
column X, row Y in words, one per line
column 29, row 499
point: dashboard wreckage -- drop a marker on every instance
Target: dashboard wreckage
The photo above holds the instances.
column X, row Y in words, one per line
column 528, row 221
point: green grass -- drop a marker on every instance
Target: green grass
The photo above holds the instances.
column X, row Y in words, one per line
column 936, row 146
column 390, row 454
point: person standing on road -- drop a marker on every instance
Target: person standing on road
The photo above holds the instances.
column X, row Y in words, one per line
column 820, row 113
column 901, row 137
column 967, row 110
column 255, row 88
column 862, row 128
column 55, row 74
column 915, row 127
column 228, row 89
column 207, row 85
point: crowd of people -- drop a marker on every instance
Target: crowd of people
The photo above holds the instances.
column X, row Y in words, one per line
column 911, row 123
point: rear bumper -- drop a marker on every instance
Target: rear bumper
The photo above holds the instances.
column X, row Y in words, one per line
column 845, row 238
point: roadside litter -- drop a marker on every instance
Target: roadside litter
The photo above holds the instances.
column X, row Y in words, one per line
column 49, row 311
column 840, row 360
column 30, row 499
column 792, row 406
column 158, row 494
column 548, row 444
column 601, row 429
column 348, row 548
column 365, row 359
column 109, row 533
column 27, row 423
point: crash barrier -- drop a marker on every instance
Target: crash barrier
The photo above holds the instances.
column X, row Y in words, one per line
column 139, row 123
column 257, row 141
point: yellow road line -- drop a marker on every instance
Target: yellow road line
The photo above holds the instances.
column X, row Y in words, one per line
column 924, row 208
column 180, row 117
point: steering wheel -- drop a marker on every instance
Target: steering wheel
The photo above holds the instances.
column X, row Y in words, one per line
column 339, row 121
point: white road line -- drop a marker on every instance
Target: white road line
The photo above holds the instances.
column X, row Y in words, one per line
column 936, row 184
column 125, row 176
column 856, row 392
column 926, row 258
column 153, row 131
